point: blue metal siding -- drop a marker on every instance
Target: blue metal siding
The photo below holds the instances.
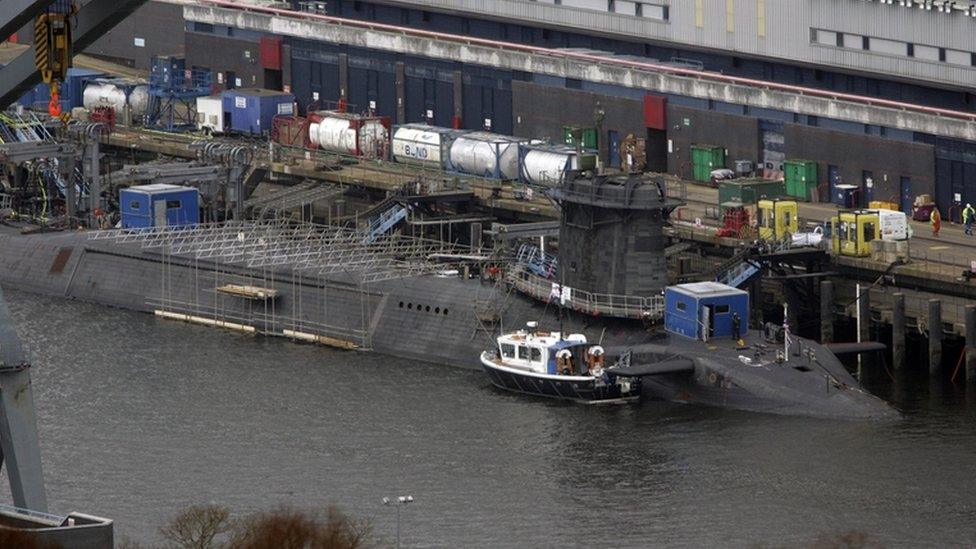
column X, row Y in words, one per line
column 138, row 207
column 253, row 113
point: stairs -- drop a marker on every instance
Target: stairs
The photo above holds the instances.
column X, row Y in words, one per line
column 386, row 221
column 537, row 261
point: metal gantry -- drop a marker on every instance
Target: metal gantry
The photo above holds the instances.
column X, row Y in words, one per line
column 282, row 245
column 293, row 279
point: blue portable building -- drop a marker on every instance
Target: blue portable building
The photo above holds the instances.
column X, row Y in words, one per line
column 251, row 110
column 72, row 90
column 690, row 309
column 159, row 205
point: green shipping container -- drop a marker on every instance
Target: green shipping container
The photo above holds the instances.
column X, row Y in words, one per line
column 589, row 137
column 749, row 191
column 705, row 159
column 801, row 178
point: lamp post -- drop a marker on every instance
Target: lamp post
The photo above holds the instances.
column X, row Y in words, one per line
column 400, row 501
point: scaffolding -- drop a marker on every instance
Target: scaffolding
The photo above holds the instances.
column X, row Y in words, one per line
column 293, row 279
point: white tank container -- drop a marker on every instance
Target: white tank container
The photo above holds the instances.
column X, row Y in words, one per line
column 338, row 134
column 109, row 95
column 422, row 145
column 486, row 154
column 542, row 167
column 334, row 134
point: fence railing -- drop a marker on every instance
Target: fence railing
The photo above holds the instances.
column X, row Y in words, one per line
column 597, row 304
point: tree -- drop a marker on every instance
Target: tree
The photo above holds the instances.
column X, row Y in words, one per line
column 287, row 528
column 198, row 527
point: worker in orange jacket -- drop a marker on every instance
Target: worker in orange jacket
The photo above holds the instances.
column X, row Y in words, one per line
column 936, row 220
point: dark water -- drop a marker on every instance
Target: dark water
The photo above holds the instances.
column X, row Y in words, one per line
column 139, row 417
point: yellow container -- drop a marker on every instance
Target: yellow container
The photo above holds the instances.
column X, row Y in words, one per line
column 777, row 219
column 883, row 205
column 853, row 231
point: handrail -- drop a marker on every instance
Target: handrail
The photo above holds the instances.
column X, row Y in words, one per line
column 603, row 59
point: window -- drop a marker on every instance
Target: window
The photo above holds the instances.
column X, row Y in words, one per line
column 680, row 306
column 508, row 350
column 174, row 204
column 721, row 309
column 523, row 352
column 868, row 232
column 536, row 354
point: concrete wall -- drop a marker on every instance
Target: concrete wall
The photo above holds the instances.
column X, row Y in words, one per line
column 687, row 126
column 775, row 29
column 222, row 55
column 887, row 160
column 532, row 106
column 604, row 74
column 157, row 26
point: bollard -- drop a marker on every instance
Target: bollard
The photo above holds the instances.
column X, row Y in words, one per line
column 476, row 236
column 898, row 330
column 826, row 311
column 971, row 344
column 935, row 337
column 864, row 313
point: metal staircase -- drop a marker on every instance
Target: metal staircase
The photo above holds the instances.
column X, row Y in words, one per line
column 386, row 221
column 741, row 267
column 537, row 261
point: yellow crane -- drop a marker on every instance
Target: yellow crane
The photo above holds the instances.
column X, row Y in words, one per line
column 52, row 50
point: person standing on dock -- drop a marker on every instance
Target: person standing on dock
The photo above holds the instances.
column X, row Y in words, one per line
column 736, row 327
column 936, row 220
column 968, row 217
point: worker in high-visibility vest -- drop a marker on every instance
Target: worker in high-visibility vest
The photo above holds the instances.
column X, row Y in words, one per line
column 968, row 217
column 936, row 220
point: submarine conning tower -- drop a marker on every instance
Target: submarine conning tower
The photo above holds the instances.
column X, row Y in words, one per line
column 611, row 238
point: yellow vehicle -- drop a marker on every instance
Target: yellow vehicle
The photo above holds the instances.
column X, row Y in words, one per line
column 852, row 231
column 778, row 219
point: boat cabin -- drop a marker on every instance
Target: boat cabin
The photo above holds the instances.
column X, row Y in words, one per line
column 706, row 310
column 542, row 352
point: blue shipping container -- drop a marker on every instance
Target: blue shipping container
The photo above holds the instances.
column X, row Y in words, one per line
column 159, row 205
column 845, row 195
column 689, row 308
column 72, row 91
column 251, row 111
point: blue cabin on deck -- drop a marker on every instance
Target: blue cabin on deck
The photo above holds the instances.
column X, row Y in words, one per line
column 159, row 205
column 252, row 110
column 690, row 309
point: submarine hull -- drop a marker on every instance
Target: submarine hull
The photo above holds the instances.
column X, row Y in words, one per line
column 426, row 318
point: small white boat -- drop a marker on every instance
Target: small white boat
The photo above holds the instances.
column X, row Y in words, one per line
column 544, row 363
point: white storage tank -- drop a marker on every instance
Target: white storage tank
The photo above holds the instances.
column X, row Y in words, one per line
column 547, row 165
column 347, row 133
column 100, row 93
column 210, row 114
column 486, row 154
column 423, row 145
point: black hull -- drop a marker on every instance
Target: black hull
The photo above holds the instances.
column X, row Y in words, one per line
column 579, row 391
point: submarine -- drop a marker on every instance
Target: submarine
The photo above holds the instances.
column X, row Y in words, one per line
column 394, row 295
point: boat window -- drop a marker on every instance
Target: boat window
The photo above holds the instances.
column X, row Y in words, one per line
column 721, row 309
column 523, row 352
column 680, row 306
column 536, row 354
column 508, row 350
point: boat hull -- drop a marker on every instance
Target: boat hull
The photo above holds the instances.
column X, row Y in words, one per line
column 586, row 389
